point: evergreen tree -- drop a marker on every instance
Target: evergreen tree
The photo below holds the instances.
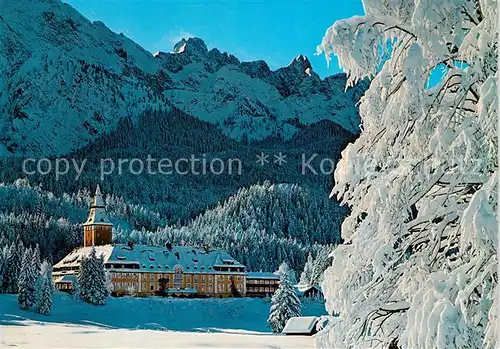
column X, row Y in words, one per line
column 284, row 268
column 11, row 272
column 92, row 279
column 43, row 303
column 305, row 277
column 2, row 266
column 321, row 263
column 37, row 259
column 76, row 290
column 285, row 303
column 27, row 281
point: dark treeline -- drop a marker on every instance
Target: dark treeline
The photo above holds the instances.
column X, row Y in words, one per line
column 261, row 225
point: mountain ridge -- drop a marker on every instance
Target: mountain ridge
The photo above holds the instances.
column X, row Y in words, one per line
column 69, row 79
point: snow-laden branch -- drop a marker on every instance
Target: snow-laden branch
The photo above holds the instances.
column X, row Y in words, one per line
column 421, row 179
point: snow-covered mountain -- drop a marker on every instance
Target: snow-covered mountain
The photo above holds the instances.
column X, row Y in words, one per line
column 64, row 80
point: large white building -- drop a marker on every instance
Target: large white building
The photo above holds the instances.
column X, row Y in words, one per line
column 149, row 270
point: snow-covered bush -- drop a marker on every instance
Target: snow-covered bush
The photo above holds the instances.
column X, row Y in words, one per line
column 284, row 304
column 418, row 268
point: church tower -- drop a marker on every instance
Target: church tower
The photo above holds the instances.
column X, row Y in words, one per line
column 97, row 230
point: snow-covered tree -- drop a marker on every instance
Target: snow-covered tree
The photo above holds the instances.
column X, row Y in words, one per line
column 13, row 260
column 27, row 281
column 305, row 276
column 2, row 265
column 109, row 282
column 76, row 290
column 92, row 279
column 284, row 269
column 320, row 264
column 37, row 259
column 285, row 303
column 418, row 267
column 43, row 303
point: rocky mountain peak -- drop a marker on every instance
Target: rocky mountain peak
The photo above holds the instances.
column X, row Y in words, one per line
column 301, row 63
column 68, row 80
column 192, row 46
column 256, row 69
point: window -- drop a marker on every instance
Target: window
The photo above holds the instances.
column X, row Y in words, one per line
column 221, row 287
column 151, row 277
column 210, row 287
column 203, row 278
column 210, row 277
column 196, row 277
column 239, row 277
column 178, row 277
column 188, row 285
column 196, row 286
column 152, row 288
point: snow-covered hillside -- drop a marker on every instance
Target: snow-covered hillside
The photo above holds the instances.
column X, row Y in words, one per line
column 68, row 80
column 220, row 322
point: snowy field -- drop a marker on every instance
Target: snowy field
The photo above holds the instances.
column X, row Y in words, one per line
column 146, row 323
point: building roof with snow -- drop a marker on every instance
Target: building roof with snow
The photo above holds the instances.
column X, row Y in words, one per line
column 304, row 288
column 308, row 290
column 262, row 275
column 301, row 325
column 157, row 259
column 97, row 214
column 66, row 279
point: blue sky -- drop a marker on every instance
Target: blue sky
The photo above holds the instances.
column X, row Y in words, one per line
column 276, row 31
